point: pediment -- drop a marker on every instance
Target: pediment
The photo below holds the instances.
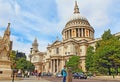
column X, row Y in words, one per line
column 56, row 42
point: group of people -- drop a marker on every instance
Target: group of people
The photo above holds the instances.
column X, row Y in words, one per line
column 26, row 74
column 36, row 74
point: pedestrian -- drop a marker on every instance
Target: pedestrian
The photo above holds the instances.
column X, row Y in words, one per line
column 36, row 74
column 39, row 75
column 28, row 74
column 64, row 73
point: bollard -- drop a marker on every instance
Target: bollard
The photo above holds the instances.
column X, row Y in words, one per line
column 69, row 76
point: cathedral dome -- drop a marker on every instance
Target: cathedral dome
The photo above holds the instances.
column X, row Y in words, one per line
column 78, row 27
column 77, row 16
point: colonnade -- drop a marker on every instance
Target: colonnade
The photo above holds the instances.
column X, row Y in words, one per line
column 78, row 32
column 55, row 65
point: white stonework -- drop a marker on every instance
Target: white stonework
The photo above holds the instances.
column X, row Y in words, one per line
column 5, row 49
column 36, row 57
column 77, row 35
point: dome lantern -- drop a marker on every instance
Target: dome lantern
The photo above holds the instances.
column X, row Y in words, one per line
column 76, row 9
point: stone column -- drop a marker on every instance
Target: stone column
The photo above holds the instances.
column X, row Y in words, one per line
column 69, row 33
column 78, row 32
column 57, row 66
column 53, row 65
column 69, row 76
column 82, row 32
column 62, row 63
column 65, row 34
column 85, row 30
column 91, row 36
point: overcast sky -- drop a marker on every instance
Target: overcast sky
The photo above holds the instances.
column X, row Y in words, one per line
column 45, row 19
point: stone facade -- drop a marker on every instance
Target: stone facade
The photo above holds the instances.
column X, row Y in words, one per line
column 36, row 57
column 77, row 35
column 5, row 48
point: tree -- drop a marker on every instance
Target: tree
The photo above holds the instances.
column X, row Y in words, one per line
column 30, row 66
column 74, row 63
column 107, row 35
column 13, row 59
column 23, row 64
column 107, row 53
column 13, row 56
column 90, row 59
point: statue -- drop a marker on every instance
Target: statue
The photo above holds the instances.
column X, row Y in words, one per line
column 5, row 48
column 69, row 77
column 5, row 44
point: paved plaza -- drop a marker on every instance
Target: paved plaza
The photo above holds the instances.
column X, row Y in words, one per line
column 31, row 79
column 54, row 79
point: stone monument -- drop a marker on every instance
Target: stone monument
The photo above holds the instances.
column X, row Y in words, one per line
column 5, row 48
column 69, row 76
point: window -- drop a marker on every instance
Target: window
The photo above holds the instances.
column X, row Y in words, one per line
column 57, row 50
column 1, row 72
column 65, row 52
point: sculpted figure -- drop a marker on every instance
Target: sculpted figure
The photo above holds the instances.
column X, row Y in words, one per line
column 5, row 44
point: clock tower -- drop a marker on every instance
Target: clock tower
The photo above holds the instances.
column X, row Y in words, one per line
column 36, row 56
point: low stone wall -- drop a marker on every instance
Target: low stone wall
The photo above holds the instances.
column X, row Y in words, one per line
column 107, row 77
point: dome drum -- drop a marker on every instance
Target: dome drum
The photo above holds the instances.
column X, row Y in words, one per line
column 78, row 33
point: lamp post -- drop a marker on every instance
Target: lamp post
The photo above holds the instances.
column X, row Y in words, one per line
column 30, row 53
column 13, row 71
column 30, row 56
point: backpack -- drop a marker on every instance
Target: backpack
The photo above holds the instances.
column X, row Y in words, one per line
column 62, row 72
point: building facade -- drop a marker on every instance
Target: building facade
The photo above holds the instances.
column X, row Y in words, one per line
column 77, row 36
column 36, row 57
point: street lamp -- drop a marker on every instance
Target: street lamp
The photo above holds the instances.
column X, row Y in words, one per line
column 30, row 53
column 13, row 71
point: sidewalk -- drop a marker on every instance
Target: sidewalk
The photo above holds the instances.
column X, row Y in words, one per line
column 106, row 77
column 31, row 79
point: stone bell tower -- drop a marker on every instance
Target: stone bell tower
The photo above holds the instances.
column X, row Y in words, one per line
column 5, row 48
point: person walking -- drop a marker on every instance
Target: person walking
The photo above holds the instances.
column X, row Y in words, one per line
column 39, row 75
column 64, row 73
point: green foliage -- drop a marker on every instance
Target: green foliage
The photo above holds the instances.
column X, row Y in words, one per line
column 30, row 66
column 13, row 56
column 20, row 63
column 23, row 64
column 107, row 54
column 90, row 59
column 107, row 35
column 74, row 63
